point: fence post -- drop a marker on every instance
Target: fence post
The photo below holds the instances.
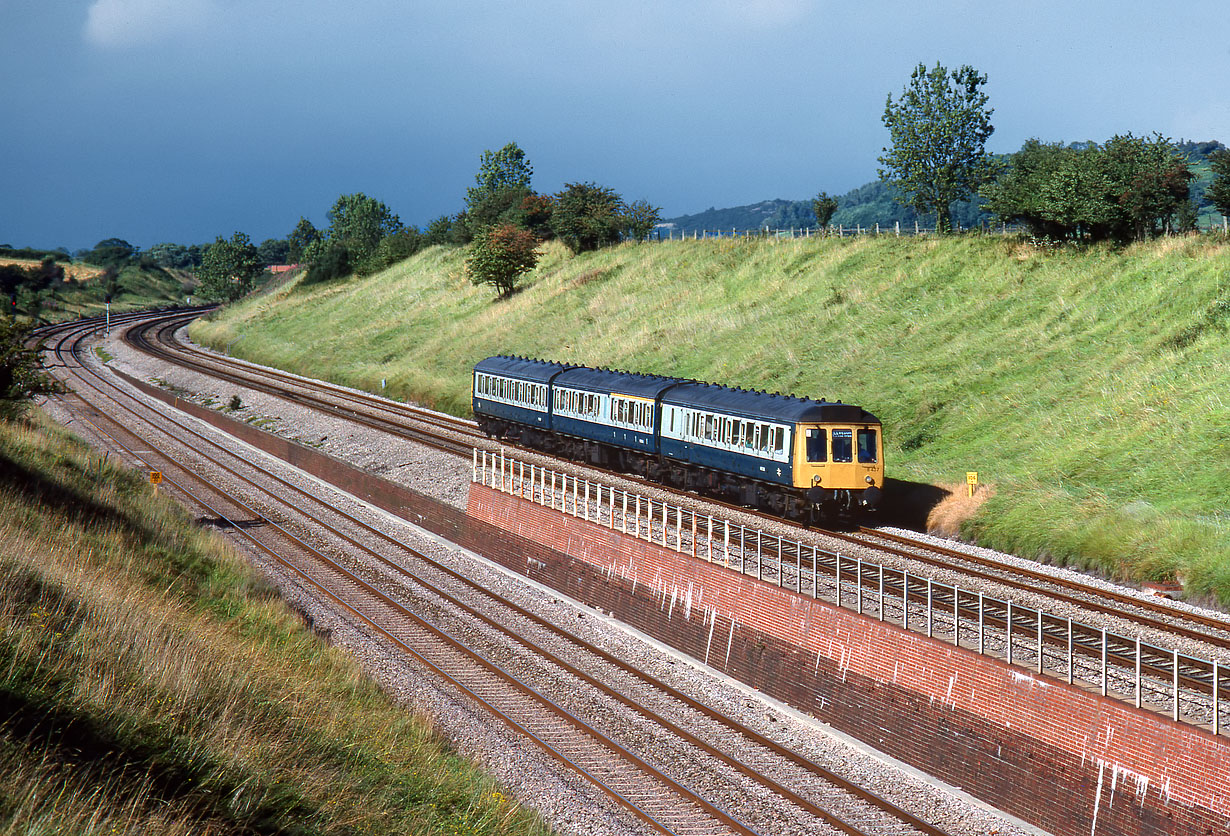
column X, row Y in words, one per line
column 781, row 564
column 880, row 597
column 1071, row 659
column 982, row 634
column 1009, row 632
column 1138, row 671
column 916, row 226
column 898, row 225
column 956, row 616
column 930, row 631
column 1176, row 686
column 1103, row 662
column 1216, row 707
column 858, row 586
column 905, row 599
column 838, row 564
column 474, row 467
column 1039, row 640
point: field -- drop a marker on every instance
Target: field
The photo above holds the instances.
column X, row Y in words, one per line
column 1086, row 386
column 150, row 682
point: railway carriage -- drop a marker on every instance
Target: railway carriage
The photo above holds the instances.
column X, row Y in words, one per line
column 796, row 457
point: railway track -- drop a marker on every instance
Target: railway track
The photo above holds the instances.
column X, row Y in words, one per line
column 413, row 603
column 459, row 437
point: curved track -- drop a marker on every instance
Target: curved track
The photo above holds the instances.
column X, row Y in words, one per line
column 428, row 612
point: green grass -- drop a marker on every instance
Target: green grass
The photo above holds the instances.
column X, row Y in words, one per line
column 1088, row 386
column 151, row 683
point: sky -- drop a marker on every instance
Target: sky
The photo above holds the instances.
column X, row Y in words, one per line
column 185, row 120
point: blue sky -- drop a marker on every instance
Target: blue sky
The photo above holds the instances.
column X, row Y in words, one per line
column 182, row 120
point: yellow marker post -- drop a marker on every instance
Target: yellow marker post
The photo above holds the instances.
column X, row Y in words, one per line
column 155, row 479
column 971, row 479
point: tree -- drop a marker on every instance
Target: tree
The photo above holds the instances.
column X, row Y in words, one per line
column 273, row 251
column 640, row 217
column 229, row 268
column 1219, row 191
column 938, row 127
column 301, row 237
column 21, row 370
column 358, row 222
column 499, row 171
column 501, row 255
column 110, row 252
column 439, row 231
column 824, row 206
column 587, row 216
column 1130, row 188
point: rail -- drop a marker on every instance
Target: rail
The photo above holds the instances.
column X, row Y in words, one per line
column 1188, row 688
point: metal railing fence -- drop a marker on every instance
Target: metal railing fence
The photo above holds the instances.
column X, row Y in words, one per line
column 1187, row 688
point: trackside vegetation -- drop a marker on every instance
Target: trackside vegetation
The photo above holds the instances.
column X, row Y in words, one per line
column 1086, row 384
column 150, row 682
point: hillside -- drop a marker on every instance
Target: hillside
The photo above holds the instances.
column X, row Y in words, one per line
column 1086, row 386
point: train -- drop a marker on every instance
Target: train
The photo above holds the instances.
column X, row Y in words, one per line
column 813, row 461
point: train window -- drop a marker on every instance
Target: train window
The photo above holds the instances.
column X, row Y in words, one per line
column 866, row 445
column 843, row 442
column 779, row 440
column 755, row 437
column 816, row 445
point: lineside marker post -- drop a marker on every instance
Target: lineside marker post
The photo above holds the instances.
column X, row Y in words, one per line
column 781, row 568
column 838, row 575
column 474, row 467
column 930, row 610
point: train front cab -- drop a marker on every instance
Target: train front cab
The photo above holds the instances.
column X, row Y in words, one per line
column 840, row 466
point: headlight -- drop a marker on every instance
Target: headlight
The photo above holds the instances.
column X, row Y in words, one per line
column 869, row 481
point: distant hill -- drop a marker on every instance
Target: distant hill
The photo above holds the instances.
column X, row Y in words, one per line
column 873, row 203
column 865, row 206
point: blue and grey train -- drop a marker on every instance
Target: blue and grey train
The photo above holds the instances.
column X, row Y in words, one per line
column 795, row 457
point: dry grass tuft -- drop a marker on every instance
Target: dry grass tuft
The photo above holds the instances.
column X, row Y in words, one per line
column 947, row 517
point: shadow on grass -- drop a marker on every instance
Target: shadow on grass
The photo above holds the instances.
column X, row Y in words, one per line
column 907, row 504
column 61, row 499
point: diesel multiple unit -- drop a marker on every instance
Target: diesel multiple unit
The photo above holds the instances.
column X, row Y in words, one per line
column 795, row 457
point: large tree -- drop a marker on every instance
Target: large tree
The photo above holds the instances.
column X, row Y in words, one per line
column 359, row 222
column 939, row 127
column 229, row 268
column 500, row 187
column 1129, row 188
column 587, row 216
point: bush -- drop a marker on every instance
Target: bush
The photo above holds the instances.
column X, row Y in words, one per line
column 327, row 260
column 21, row 370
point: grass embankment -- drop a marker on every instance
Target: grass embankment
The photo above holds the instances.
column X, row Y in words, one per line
column 85, row 293
column 151, row 683
column 1088, row 386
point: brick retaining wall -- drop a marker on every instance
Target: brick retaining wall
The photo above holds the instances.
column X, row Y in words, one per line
column 1065, row 759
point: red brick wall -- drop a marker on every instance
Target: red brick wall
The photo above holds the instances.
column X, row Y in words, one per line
column 1056, row 755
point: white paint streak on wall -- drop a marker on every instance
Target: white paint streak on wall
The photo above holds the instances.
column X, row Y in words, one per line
column 730, row 640
column 709, row 643
column 1097, row 799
